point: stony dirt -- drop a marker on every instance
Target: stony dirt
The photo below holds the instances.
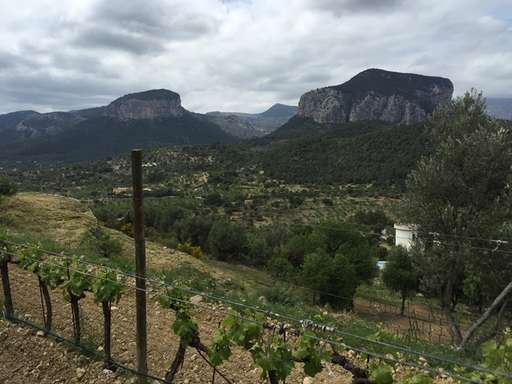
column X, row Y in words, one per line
column 26, row 357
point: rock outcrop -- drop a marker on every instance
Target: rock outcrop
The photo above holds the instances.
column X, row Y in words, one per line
column 375, row 94
column 158, row 103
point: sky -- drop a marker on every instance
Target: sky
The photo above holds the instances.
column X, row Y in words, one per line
column 241, row 55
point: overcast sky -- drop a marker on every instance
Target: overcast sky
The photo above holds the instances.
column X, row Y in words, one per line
column 241, row 55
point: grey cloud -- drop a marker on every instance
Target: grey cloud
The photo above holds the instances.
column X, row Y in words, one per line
column 103, row 37
column 141, row 27
column 242, row 55
column 340, row 7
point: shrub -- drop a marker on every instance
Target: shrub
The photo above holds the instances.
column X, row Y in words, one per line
column 190, row 277
column 194, row 229
column 375, row 219
column 214, row 199
column 281, row 268
column 7, row 188
column 281, row 294
column 192, row 250
column 107, row 246
column 257, row 249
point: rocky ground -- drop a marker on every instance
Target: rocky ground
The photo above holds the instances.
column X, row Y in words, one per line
column 27, row 356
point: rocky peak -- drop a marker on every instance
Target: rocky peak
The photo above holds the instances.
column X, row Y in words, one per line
column 375, row 94
column 157, row 103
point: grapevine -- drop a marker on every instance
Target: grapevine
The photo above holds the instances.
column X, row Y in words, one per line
column 184, row 327
column 74, row 288
column 107, row 289
column 270, row 351
column 31, row 259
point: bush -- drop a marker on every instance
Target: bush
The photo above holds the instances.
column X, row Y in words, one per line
column 227, row 241
column 257, row 249
column 7, row 188
column 194, row 229
column 107, row 246
column 192, row 250
column 279, row 267
column 214, row 199
column 190, row 277
column 375, row 219
column 299, row 245
column 281, row 294
column 333, row 279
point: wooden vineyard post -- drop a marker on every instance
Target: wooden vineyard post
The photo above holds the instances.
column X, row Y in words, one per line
column 140, row 264
column 8, row 307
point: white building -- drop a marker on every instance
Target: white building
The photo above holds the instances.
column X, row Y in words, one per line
column 405, row 235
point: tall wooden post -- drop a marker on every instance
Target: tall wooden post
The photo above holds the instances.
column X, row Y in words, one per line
column 140, row 263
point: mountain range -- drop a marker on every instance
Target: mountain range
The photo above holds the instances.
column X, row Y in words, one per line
column 372, row 98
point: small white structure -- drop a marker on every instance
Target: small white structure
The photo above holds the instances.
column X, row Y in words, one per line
column 405, row 235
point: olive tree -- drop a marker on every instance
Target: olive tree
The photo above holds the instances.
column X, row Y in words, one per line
column 459, row 197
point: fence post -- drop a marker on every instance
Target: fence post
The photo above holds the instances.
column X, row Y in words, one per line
column 140, row 263
column 8, row 307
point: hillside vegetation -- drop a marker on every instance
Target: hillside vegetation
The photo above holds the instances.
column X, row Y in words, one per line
column 358, row 153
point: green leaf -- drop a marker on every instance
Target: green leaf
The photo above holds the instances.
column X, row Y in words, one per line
column 383, row 375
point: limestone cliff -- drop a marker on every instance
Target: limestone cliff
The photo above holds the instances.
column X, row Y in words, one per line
column 159, row 103
column 375, row 94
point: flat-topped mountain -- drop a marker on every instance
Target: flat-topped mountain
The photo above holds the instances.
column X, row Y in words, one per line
column 144, row 119
column 151, row 104
column 376, row 94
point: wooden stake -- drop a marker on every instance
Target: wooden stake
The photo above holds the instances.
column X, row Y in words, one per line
column 140, row 264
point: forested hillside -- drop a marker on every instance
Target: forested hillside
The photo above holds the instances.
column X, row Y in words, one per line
column 371, row 152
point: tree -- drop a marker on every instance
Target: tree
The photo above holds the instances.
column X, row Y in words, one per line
column 227, row 241
column 363, row 257
column 333, row 278
column 460, row 194
column 399, row 274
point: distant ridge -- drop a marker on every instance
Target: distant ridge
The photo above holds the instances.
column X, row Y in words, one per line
column 500, row 107
column 248, row 125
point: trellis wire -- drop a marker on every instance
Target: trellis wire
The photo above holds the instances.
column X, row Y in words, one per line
column 333, row 330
